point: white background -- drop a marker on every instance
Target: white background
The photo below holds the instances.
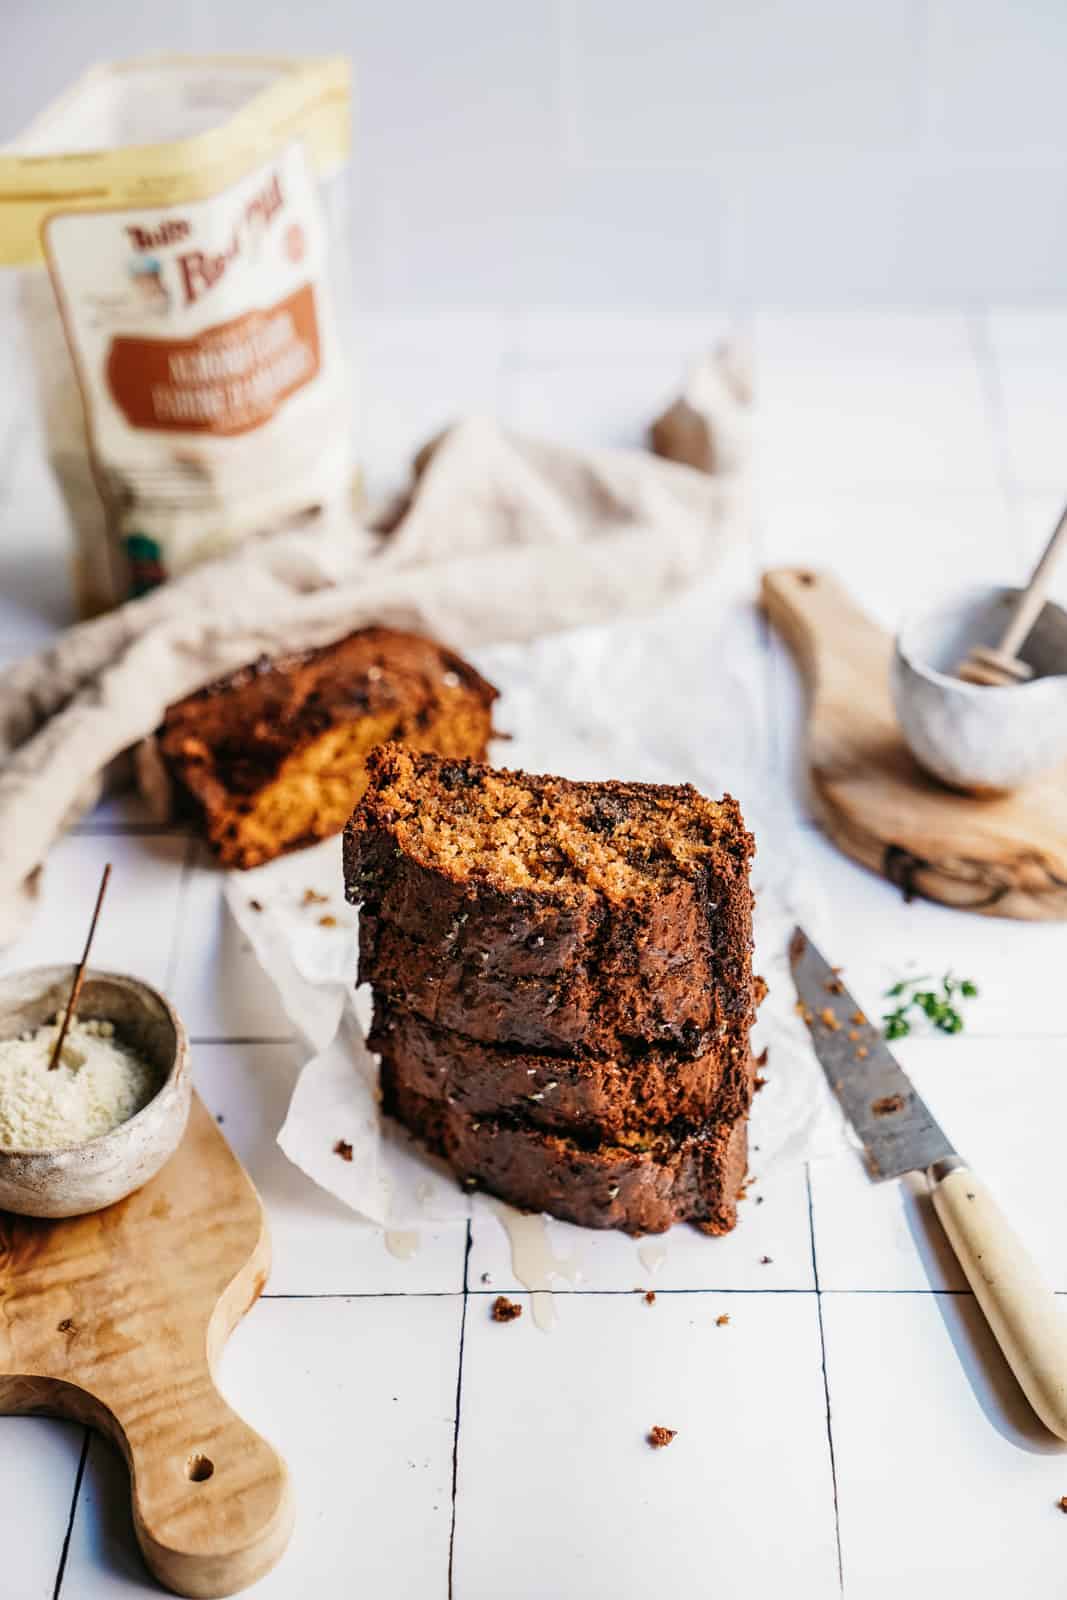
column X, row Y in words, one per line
column 686, row 152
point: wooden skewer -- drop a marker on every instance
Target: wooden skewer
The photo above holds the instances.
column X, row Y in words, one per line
column 79, row 975
column 1001, row 665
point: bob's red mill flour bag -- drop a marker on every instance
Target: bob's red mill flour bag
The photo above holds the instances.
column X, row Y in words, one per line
column 179, row 224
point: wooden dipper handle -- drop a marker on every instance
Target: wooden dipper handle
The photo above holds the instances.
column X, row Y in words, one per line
column 1030, row 603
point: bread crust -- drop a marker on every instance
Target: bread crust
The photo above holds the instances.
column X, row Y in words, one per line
column 273, row 756
column 565, row 967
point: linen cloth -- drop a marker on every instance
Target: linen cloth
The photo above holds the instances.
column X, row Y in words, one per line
column 502, row 538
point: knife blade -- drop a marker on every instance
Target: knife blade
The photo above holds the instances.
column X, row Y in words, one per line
column 899, row 1135
column 897, row 1131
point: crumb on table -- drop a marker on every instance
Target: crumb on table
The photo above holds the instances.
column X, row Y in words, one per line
column 765, row 1261
column 722, row 1320
column 343, row 1149
column 313, row 898
column 505, row 1310
column 659, row 1437
column 1062, row 1502
column 327, row 922
column 650, row 1297
column 255, row 905
column 829, row 1020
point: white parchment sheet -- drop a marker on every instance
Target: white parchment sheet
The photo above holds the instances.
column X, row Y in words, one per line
column 657, row 699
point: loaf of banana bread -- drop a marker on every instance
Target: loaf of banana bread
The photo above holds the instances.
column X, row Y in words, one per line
column 274, row 756
column 563, row 984
column 597, row 1096
column 558, row 915
column 639, row 1183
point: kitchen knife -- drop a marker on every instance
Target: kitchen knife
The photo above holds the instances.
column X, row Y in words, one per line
column 899, row 1135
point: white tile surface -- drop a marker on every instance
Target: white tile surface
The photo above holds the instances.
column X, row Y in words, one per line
column 138, row 923
column 800, row 155
column 319, row 1247
column 593, row 1509
column 601, row 403
column 621, row 51
column 873, row 424
column 564, row 336
column 769, row 1249
column 1002, row 1103
column 38, row 1468
column 1034, row 398
column 974, row 54
column 35, row 596
column 946, row 1483
column 1001, row 957
column 361, row 1403
column 219, row 987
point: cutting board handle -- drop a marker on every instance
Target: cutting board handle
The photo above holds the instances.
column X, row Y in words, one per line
column 821, row 623
column 212, row 1506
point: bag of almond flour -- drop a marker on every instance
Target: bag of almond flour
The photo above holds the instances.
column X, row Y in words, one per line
column 179, row 229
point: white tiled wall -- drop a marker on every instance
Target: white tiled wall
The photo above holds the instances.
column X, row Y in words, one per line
column 614, row 153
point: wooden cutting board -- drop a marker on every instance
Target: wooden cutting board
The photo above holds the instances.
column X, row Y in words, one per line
column 1003, row 857
column 117, row 1320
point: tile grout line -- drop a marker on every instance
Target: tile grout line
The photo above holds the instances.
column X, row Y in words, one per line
column 459, row 1398
column 188, row 861
column 586, row 1294
column 61, row 1571
column 11, row 442
column 991, row 384
column 243, row 1038
column 825, row 1377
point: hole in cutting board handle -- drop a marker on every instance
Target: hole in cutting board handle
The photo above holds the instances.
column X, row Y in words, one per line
column 199, row 1468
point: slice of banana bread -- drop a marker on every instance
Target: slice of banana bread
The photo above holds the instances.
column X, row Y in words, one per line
column 274, row 756
column 584, row 1009
column 641, row 1184
column 598, row 1096
column 556, row 914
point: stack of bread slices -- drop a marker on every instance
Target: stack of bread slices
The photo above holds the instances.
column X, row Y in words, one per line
column 563, row 988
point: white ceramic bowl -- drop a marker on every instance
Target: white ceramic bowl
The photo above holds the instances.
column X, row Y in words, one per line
column 983, row 740
column 87, row 1177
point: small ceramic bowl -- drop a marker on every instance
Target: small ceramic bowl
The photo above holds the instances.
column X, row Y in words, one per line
column 90, row 1176
column 983, row 740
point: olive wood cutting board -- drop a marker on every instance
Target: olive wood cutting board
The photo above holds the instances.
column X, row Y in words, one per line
column 117, row 1320
column 1004, row 856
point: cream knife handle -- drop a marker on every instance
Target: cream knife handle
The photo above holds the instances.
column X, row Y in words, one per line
column 1018, row 1304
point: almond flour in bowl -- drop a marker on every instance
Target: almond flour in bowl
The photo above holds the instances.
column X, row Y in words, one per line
column 124, row 1085
column 97, row 1084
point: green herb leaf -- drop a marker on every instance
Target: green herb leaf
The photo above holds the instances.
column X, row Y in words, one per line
column 935, row 1005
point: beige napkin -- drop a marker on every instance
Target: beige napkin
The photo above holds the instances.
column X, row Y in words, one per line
column 502, row 538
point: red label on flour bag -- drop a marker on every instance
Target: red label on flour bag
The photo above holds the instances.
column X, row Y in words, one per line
column 228, row 379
